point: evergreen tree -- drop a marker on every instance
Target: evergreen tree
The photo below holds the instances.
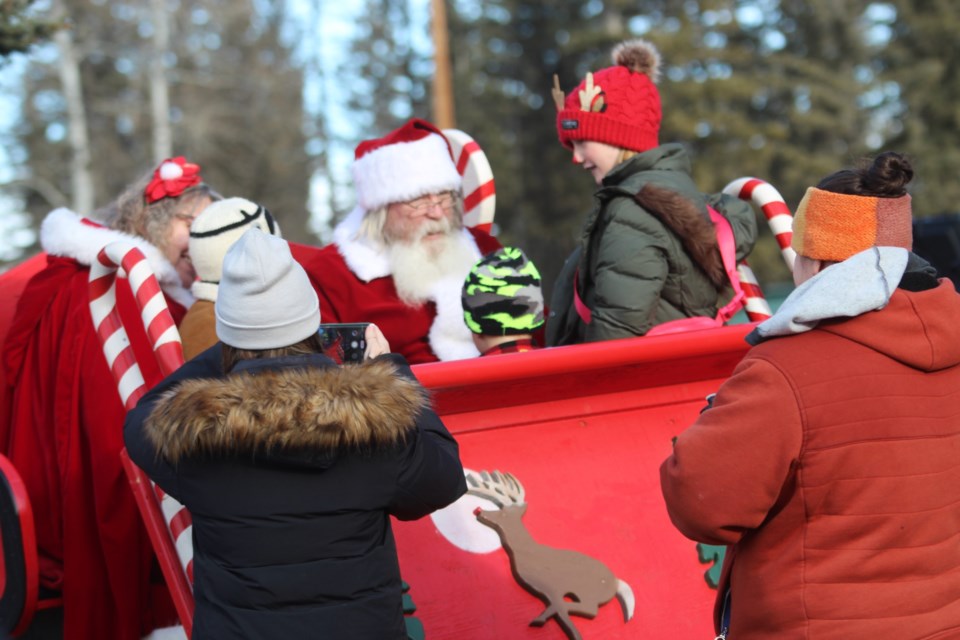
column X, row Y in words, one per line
column 235, row 95
column 386, row 78
column 919, row 94
column 765, row 88
column 20, row 28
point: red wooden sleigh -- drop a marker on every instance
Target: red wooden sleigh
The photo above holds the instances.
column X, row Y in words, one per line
column 584, row 428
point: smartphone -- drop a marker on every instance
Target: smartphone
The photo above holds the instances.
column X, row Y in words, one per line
column 344, row 342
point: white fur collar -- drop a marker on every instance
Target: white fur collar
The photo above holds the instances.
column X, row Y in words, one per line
column 449, row 337
column 366, row 258
column 63, row 234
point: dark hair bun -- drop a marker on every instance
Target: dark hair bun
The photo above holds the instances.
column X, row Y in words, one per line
column 888, row 176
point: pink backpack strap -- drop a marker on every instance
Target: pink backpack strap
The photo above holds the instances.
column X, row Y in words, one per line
column 582, row 310
column 728, row 252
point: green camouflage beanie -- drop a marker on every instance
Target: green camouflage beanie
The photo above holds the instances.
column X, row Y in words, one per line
column 501, row 295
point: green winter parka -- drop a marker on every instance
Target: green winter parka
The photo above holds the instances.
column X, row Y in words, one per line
column 648, row 252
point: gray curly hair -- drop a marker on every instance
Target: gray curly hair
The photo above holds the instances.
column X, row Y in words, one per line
column 132, row 214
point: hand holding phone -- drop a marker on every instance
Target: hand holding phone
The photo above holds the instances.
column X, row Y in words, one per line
column 377, row 344
column 345, row 342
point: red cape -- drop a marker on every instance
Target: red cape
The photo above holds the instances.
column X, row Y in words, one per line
column 62, row 415
column 12, row 283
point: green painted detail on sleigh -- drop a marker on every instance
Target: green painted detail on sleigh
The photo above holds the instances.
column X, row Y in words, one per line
column 414, row 626
column 711, row 553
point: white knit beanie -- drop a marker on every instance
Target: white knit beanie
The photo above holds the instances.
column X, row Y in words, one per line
column 266, row 300
column 214, row 231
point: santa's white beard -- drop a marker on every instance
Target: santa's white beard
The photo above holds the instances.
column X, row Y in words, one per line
column 418, row 265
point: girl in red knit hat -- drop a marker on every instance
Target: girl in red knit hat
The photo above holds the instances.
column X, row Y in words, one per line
column 648, row 252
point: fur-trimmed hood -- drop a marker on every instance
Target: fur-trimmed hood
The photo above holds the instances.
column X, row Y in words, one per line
column 688, row 222
column 298, row 405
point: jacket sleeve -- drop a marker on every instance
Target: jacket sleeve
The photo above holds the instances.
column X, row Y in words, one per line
column 728, row 470
column 630, row 273
column 430, row 475
column 139, row 447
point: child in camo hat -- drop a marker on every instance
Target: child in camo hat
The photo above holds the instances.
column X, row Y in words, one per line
column 503, row 303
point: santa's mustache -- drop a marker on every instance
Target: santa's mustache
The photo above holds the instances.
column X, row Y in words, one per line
column 442, row 226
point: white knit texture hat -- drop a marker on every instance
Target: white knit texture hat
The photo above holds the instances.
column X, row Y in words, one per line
column 214, row 231
column 266, row 300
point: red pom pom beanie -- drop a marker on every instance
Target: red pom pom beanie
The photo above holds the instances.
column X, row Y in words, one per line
column 618, row 105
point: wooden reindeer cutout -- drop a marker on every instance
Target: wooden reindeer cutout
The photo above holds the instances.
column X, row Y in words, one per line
column 568, row 582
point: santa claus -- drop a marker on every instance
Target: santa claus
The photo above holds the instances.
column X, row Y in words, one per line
column 400, row 257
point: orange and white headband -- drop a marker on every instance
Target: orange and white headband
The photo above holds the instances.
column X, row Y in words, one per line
column 834, row 226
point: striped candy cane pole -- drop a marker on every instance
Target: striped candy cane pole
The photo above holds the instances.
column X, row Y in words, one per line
column 762, row 195
column 774, row 208
column 164, row 338
column 756, row 305
column 479, row 193
column 156, row 317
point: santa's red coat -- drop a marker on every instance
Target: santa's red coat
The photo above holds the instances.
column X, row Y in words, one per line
column 345, row 297
column 61, row 424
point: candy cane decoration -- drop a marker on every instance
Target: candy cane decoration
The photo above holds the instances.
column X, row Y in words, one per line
column 163, row 335
column 762, row 194
column 156, row 317
column 755, row 305
column 774, row 208
column 479, row 193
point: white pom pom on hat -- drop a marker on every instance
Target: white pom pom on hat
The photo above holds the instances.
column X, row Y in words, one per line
column 170, row 171
column 266, row 300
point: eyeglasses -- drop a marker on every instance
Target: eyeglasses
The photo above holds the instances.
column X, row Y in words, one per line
column 424, row 204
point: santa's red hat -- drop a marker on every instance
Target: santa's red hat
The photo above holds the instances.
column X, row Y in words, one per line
column 407, row 163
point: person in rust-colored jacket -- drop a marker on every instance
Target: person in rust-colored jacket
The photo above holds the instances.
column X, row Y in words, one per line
column 830, row 460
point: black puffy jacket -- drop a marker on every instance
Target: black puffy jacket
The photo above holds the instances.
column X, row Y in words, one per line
column 291, row 469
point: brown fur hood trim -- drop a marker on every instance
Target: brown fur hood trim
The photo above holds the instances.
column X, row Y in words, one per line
column 327, row 408
column 696, row 232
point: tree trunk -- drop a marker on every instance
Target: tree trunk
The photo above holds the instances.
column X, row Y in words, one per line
column 81, row 179
column 159, row 90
